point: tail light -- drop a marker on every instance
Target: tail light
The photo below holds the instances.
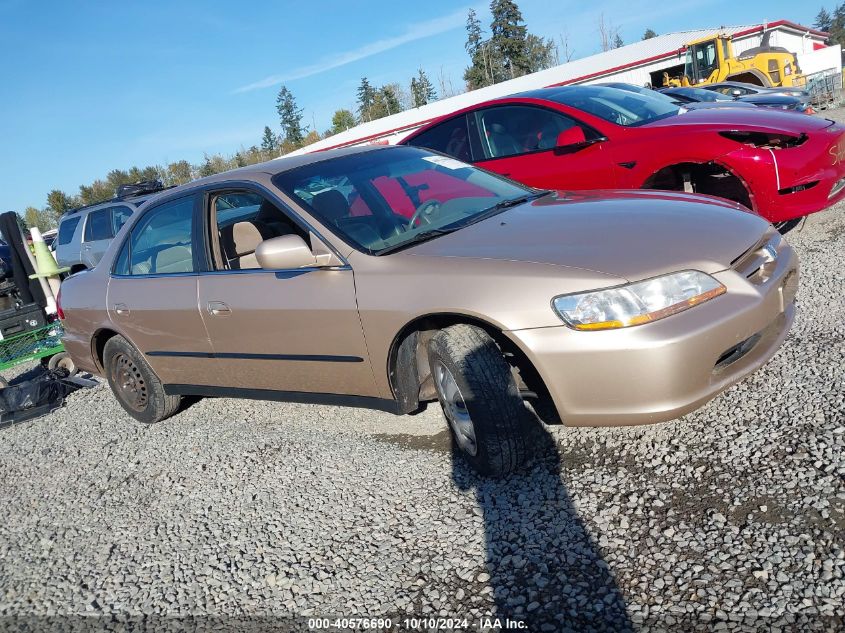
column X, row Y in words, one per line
column 59, row 310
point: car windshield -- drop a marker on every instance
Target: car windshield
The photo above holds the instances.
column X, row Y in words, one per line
column 383, row 200
column 699, row 94
column 621, row 107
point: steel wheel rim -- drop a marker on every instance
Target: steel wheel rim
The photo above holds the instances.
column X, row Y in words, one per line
column 455, row 408
column 129, row 384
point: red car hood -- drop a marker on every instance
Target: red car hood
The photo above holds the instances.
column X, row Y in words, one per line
column 745, row 119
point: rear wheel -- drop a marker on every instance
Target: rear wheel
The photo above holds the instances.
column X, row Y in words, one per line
column 489, row 422
column 134, row 384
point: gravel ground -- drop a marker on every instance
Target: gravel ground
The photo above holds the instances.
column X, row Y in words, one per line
column 239, row 512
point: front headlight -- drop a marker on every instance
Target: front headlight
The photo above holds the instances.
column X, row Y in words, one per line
column 637, row 303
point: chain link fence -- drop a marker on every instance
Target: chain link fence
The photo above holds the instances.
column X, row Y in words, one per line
column 825, row 88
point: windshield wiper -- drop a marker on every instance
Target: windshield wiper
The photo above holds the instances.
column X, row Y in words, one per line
column 424, row 236
column 417, row 239
column 505, row 204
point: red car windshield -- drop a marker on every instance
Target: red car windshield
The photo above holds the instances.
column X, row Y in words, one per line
column 621, row 107
column 382, row 199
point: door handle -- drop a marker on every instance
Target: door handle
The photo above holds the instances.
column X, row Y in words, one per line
column 121, row 309
column 218, row 308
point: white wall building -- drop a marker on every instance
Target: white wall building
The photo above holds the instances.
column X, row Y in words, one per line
column 638, row 63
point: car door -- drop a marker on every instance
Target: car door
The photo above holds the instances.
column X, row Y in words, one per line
column 281, row 330
column 152, row 294
column 541, row 147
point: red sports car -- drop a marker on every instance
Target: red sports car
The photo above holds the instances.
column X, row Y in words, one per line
column 782, row 165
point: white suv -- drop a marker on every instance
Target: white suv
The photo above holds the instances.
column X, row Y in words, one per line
column 85, row 233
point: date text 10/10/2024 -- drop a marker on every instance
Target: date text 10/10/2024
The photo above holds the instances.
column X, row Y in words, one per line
column 488, row 623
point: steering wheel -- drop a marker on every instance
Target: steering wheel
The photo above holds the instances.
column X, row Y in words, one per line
column 423, row 211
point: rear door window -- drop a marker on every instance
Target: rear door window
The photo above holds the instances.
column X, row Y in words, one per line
column 98, row 226
column 119, row 217
column 161, row 242
column 67, row 229
column 450, row 137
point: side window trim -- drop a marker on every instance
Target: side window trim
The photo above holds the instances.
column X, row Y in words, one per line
column 136, row 219
column 466, row 116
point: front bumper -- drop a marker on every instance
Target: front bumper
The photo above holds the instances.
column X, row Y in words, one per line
column 792, row 183
column 663, row 370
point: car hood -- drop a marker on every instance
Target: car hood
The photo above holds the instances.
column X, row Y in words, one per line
column 745, row 119
column 632, row 235
column 771, row 99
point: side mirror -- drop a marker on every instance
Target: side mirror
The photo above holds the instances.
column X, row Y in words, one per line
column 572, row 136
column 284, row 253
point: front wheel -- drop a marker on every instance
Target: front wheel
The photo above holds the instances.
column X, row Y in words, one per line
column 134, row 384
column 489, row 422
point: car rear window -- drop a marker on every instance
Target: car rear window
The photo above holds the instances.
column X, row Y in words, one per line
column 67, row 229
column 98, row 226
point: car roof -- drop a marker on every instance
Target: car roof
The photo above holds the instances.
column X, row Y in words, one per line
column 271, row 167
column 135, row 201
column 736, row 84
column 275, row 166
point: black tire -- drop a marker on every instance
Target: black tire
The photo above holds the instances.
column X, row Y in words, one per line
column 134, row 384
column 502, row 426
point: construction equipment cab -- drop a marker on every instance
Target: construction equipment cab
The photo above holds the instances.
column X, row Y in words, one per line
column 711, row 60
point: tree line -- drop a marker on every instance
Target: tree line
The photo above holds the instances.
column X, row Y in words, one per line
column 508, row 50
column 832, row 23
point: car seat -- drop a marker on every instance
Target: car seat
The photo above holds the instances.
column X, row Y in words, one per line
column 177, row 258
column 240, row 252
column 457, row 145
column 501, row 142
column 271, row 222
column 330, row 206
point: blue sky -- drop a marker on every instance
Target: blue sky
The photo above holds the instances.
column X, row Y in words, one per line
column 89, row 87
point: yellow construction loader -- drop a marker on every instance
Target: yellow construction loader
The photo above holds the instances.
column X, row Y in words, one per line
column 711, row 60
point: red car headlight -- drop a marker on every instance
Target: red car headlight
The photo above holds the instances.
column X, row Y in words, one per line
column 765, row 140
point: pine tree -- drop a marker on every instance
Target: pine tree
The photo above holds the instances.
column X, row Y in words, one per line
column 540, row 53
column 823, row 20
column 649, row 34
column 342, row 120
column 269, row 142
column 366, row 99
column 422, row 90
column 477, row 73
column 58, row 202
column 617, row 41
column 290, row 117
column 508, row 39
column 837, row 26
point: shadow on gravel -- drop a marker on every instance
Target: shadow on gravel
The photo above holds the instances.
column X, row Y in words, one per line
column 544, row 567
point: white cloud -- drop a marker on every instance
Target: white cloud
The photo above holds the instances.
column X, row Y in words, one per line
column 418, row 31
